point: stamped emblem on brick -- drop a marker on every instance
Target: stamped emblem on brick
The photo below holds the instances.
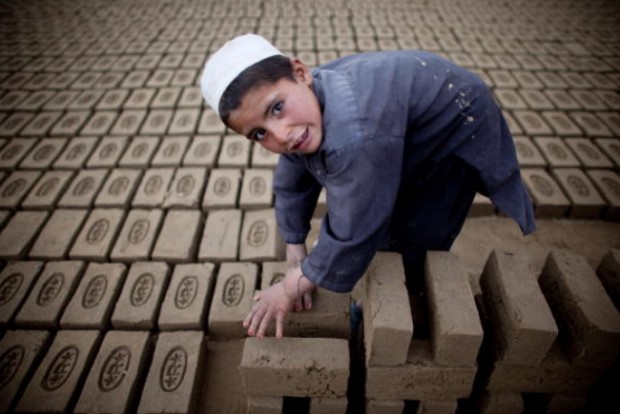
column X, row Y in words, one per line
column 613, row 185
column 171, row 150
column 157, row 120
column 234, row 149
column 12, row 151
column 108, row 150
column 119, row 186
column 588, row 151
column 524, row 150
column 233, row 291
column 557, row 151
column 203, row 149
column 139, row 150
column 153, row 185
column 114, row 369
column 43, row 153
column 94, row 291
column 76, row 151
column 47, row 187
column 13, row 188
column 9, row 287
column 257, row 186
column 138, row 231
column 97, row 231
column 257, row 235
column 185, row 185
column 61, row 368
column 173, row 369
column 10, row 360
column 142, row 289
column 50, row 289
column 186, row 292
column 86, row 185
column 542, row 185
column 577, row 184
column 128, row 122
column 222, row 186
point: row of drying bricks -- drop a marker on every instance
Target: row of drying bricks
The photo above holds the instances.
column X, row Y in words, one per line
column 555, row 334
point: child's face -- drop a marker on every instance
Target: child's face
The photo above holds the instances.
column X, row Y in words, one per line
column 284, row 117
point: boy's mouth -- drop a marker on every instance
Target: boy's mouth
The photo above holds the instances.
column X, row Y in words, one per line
column 300, row 141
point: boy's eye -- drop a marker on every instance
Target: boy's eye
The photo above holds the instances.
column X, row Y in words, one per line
column 257, row 134
column 277, row 108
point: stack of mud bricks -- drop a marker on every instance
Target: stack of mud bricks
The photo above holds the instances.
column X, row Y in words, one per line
column 429, row 360
column 549, row 337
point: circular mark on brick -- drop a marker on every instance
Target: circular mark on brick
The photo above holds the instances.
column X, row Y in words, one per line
column 61, row 368
column 128, row 122
column 94, row 291
column 591, row 122
column 276, row 278
column 233, row 291
column 86, row 99
column 108, row 150
column 524, row 150
column 114, row 368
column 10, row 361
column 157, row 120
column 98, row 231
column 185, row 185
column 47, row 187
column 234, row 149
column 557, row 151
column 184, row 120
column 542, row 185
column 111, row 98
column 588, row 151
column 142, row 289
column 222, row 186
column 139, row 97
column 173, row 369
column 577, row 184
column 76, row 151
column 257, row 186
column 615, row 148
column 43, row 153
column 186, row 292
column 161, row 77
column 139, row 150
column 561, row 121
column 171, row 150
column 257, row 235
column 9, row 287
column 118, row 186
column 612, row 185
column 138, row 231
column 41, row 122
column 86, row 185
column 532, row 120
column 203, row 149
column 69, row 122
column 100, row 121
column 153, row 185
column 12, row 123
column 12, row 151
column 14, row 187
column 50, row 289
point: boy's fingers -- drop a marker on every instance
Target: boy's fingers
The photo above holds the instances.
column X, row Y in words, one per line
column 256, row 320
column 264, row 325
column 298, row 305
column 279, row 325
column 308, row 301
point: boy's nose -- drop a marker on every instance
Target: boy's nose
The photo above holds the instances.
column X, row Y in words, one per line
column 281, row 134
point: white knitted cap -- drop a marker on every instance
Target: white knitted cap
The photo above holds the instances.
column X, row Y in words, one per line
column 229, row 61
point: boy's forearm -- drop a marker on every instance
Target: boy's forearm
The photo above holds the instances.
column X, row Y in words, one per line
column 295, row 253
column 295, row 283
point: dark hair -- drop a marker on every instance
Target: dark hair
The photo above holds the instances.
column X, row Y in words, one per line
column 266, row 71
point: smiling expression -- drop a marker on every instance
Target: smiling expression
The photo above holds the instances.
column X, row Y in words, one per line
column 283, row 117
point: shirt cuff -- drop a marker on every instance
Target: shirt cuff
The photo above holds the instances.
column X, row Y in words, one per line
column 291, row 237
column 306, row 269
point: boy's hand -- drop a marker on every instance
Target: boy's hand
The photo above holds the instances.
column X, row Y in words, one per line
column 271, row 303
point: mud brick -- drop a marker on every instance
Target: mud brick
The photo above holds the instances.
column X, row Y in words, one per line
column 175, row 374
column 328, row 405
column 166, row 98
column 203, row 151
column 563, row 100
column 260, row 239
column 503, row 79
column 108, row 152
column 588, row 100
column 184, row 121
column 160, row 78
column 109, row 80
column 388, row 325
column 555, row 375
column 222, row 189
column 50, row 294
column 138, row 305
column 16, row 280
column 193, row 60
column 556, row 152
column 47, row 191
column 92, row 303
column 35, row 101
column 15, row 151
column 86, row 80
column 16, row 186
column 549, row 200
column 58, row 234
column 589, row 323
column 513, row 126
column 536, row 99
column 153, row 187
column 187, row 300
column 170, row 152
column 523, row 326
column 70, row 123
column 308, row 367
column 508, row 402
column 86, row 100
column 57, row 380
column 187, row 188
column 20, row 352
column 437, row 407
column 220, row 239
column 210, row 123
column 561, row 123
column 588, row 153
column 384, row 407
column 83, row 188
column 119, row 188
column 178, row 239
column 98, row 233
column 44, row 153
column 566, row 403
column 191, row 97
column 591, row 124
column 63, row 80
column 482, row 206
column 136, row 79
column 256, row 190
column 608, row 98
column 600, row 81
column 114, row 380
column 575, row 80
column 232, row 300
column 528, row 154
column 455, row 325
column 510, row 99
column 140, row 99
column 612, row 120
column 419, row 378
column 20, row 232
column 607, row 183
column 156, row 122
column 137, row 236
column 585, row 199
column 265, row 405
column 235, row 151
column 329, row 317
column 532, row 123
column 608, row 272
column 611, row 148
column 129, row 122
column 11, row 99
column 37, row 126
column 99, row 124
column 140, row 152
column 113, row 99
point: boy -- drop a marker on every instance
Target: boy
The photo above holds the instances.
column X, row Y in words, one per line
column 401, row 141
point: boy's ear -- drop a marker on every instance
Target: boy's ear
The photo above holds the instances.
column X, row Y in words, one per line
column 301, row 71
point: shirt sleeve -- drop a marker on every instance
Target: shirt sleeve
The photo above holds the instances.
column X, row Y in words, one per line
column 297, row 192
column 362, row 186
